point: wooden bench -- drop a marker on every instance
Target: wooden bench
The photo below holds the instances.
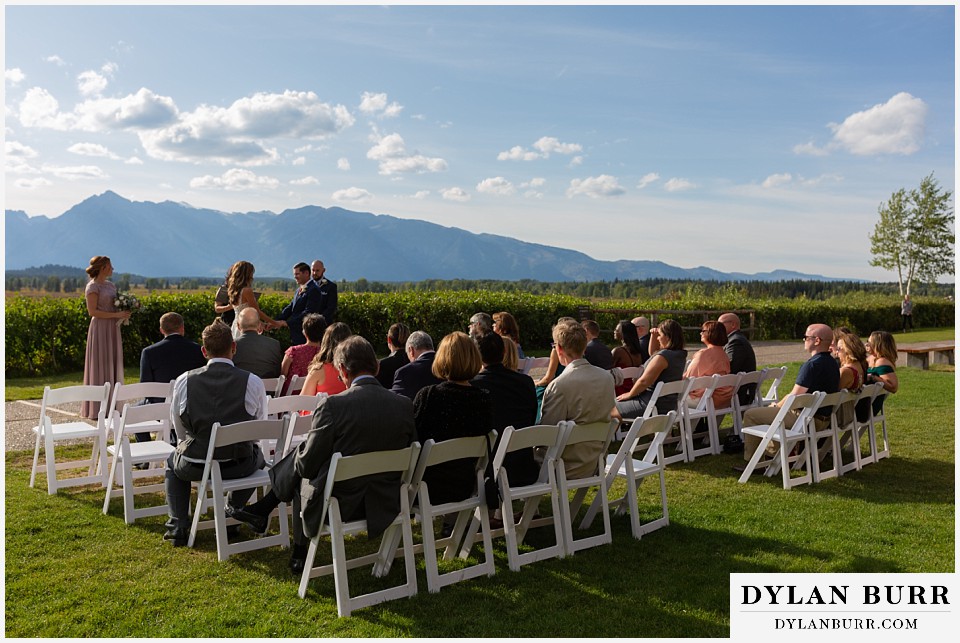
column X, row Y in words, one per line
column 918, row 355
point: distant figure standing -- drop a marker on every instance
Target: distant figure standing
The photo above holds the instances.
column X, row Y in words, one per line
column 240, row 289
column 906, row 312
column 328, row 292
column 221, row 303
column 305, row 301
column 104, row 358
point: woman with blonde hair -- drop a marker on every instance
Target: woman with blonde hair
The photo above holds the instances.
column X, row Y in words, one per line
column 103, row 361
column 241, row 295
column 322, row 376
column 453, row 408
column 511, row 358
column 882, row 364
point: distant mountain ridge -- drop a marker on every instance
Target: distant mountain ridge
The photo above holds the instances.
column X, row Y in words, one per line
column 171, row 239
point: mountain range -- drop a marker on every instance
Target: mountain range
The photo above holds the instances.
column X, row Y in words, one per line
column 172, row 239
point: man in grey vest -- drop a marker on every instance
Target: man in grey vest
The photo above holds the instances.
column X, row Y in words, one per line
column 201, row 397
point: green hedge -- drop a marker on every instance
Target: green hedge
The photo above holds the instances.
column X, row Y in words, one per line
column 48, row 336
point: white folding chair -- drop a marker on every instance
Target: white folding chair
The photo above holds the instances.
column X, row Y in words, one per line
column 868, row 427
column 569, row 508
column 124, row 393
column 632, row 372
column 830, row 437
column 474, row 448
column 295, row 385
column 716, row 414
column 746, row 379
column 48, row 434
column 280, row 406
column 774, row 375
column 880, row 420
column 785, row 439
column 548, row 437
column 342, row 468
column 126, row 454
column 691, row 415
column 273, row 385
column 535, row 363
column 677, row 442
column 623, row 465
column 212, row 480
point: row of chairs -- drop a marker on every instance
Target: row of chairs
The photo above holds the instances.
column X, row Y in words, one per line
column 802, row 450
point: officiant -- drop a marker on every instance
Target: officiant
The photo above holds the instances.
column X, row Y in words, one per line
column 306, row 300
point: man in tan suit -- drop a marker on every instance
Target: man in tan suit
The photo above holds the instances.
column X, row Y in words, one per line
column 582, row 393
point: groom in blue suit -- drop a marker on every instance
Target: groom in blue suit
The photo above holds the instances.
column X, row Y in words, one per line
column 306, row 300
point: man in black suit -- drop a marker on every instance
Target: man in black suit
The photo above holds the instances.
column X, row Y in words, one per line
column 396, row 341
column 259, row 354
column 366, row 417
column 643, row 334
column 740, row 352
column 305, row 301
column 597, row 353
column 169, row 358
column 513, row 397
column 418, row 373
column 328, row 292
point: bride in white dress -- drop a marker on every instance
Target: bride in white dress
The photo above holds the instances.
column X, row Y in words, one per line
column 239, row 282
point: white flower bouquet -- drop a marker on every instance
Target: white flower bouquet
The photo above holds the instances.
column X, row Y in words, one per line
column 126, row 301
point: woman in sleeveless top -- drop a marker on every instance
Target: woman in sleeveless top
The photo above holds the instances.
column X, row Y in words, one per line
column 882, row 364
column 103, row 361
column 666, row 363
column 853, row 367
column 628, row 353
column 240, row 292
column 322, row 376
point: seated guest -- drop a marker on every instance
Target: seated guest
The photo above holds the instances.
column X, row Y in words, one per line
column 396, row 340
column 740, row 352
column 218, row 392
column 259, row 354
column 554, row 368
column 711, row 360
column 321, row 374
column 513, row 400
column 882, row 364
column 643, row 333
column 480, row 324
column 665, row 365
column 852, row 357
column 596, row 352
column 505, row 325
column 297, row 358
column 409, row 379
column 583, row 393
column 364, row 418
column 628, row 354
column 452, row 409
column 510, row 357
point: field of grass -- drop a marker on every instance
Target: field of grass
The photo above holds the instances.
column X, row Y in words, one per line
column 71, row 571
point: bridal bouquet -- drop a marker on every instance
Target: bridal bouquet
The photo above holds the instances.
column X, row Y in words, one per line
column 126, row 301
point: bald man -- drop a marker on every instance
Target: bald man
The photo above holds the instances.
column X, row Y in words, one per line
column 328, row 292
column 819, row 373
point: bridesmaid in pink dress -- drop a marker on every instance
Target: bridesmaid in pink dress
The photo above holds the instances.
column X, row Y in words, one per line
column 104, row 357
column 322, row 376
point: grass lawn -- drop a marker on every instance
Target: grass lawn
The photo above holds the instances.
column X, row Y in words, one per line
column 71, row 571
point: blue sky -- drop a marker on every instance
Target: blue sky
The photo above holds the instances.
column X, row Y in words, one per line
column 741, row 138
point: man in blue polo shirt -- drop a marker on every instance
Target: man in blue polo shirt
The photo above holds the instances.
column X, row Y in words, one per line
column 819, row 373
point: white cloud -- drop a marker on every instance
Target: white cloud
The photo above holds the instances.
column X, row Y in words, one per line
column 92, row 149
column 90, row 83
column 32, row 184
column 40, row 109
column 576, row 161
column 14, row 76
column 391, row 153
column 549, row 144
column 536, row 182
column 74, row 172
column 421, row 194
column 109, row 69
column 496, row 185
column 376, row 104
column 678, row 185
column 300, row 160
column 56, row 60
column 142, row 110
column 133, row 160
column 775, row 180
column 343, row 163
column 307, row 180
column 235, row 180
column 15, row 149
column 595, row 187
column 352, row 195
column 455, row 194
column 647, row 179
column 895, row 127
column 810, row 149
column 517, row 153
column 823, row 178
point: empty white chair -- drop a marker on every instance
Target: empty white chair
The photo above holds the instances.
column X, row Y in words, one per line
column 879, row 420
column 474, row 448
column 212, row 480
column 49, row 433
column 677, row 441
column 826, row 441
column 273, row 385
column 126, row 454
column 751, row 378
column 549, row 437
column 535, row 363
column 295, row 385
column 623, row 465
column 785, row 439
column 596, row 432
column 124, row 393
column 342, row 468
column 693, row 410
column 868, row 426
